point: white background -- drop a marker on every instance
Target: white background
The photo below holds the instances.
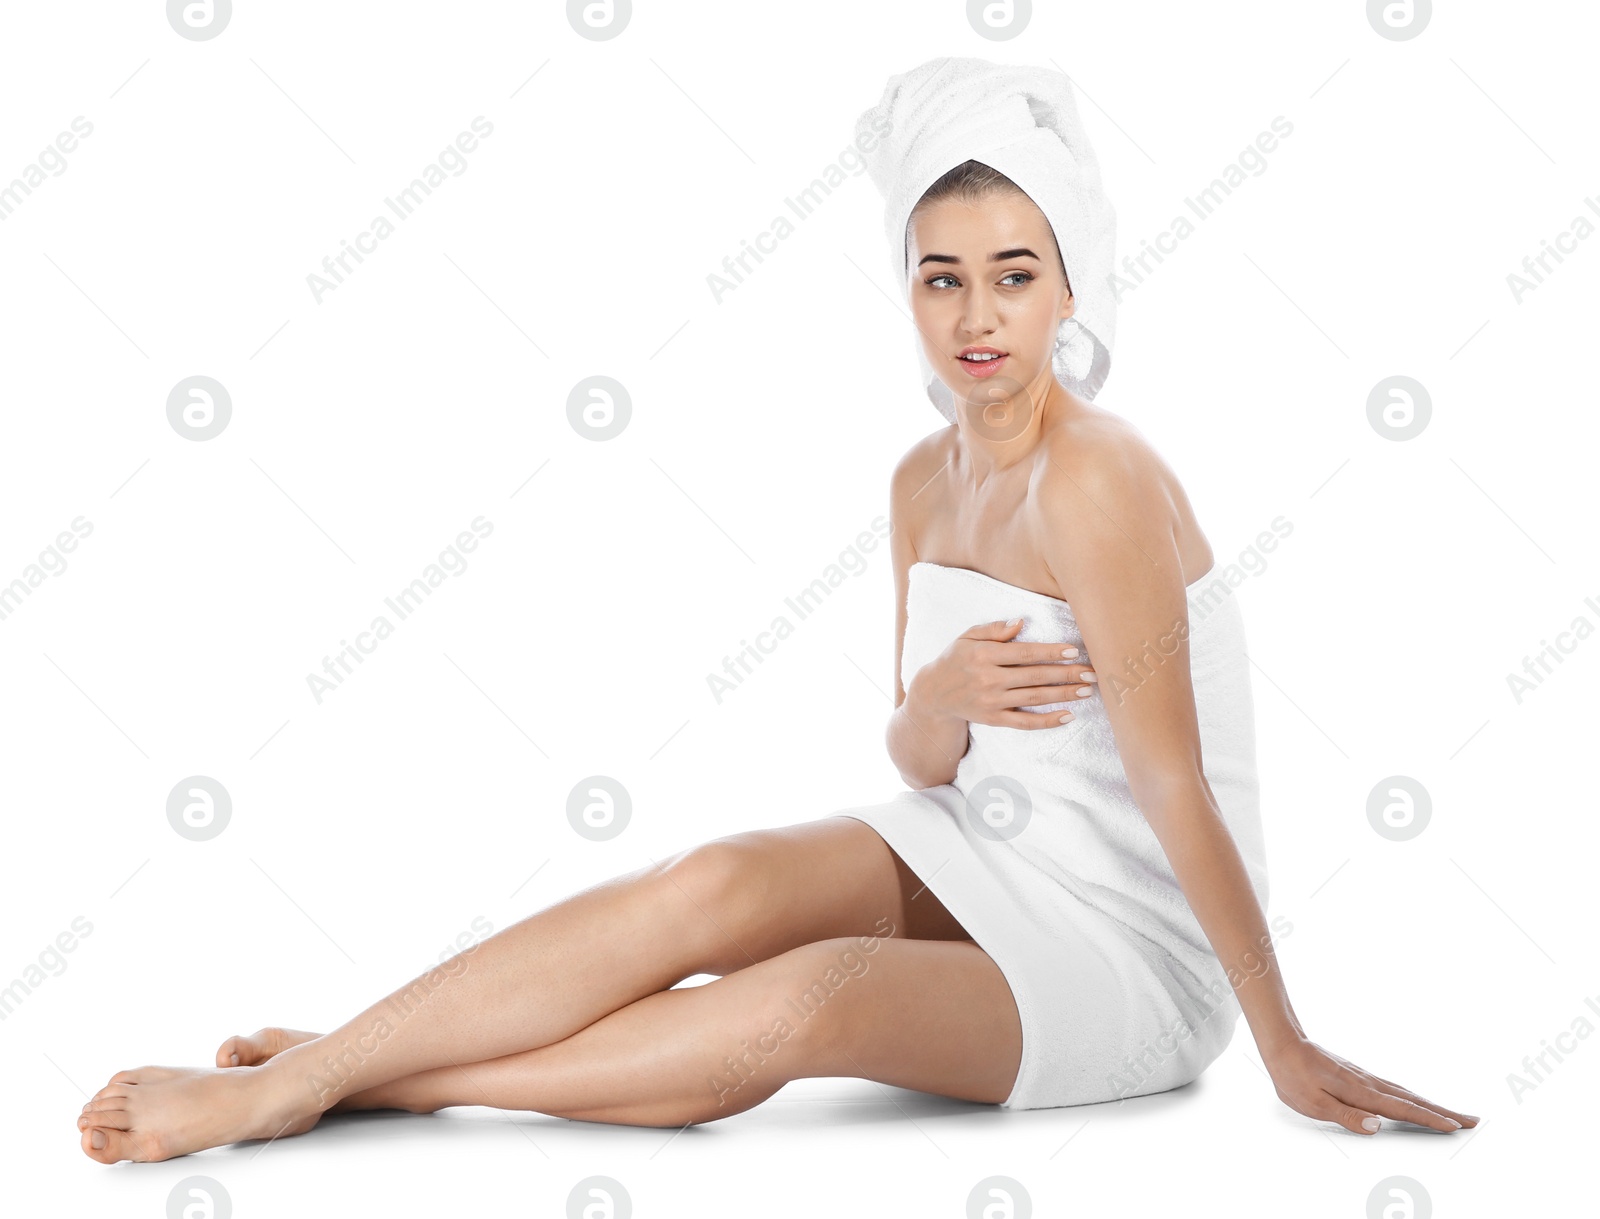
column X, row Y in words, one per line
column 431, row 387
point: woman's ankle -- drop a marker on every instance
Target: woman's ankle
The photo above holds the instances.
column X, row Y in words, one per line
column 306, row 1075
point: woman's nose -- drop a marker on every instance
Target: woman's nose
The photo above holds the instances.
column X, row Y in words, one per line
column 978, row 312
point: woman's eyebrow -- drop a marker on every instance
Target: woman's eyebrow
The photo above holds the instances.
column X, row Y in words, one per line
column 998, row 256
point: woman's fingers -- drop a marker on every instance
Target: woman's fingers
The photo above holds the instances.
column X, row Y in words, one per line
column 1364, row 1118
column 1041, row 696
column 1320, row 1084
column 1466, row 1119
column 1017, row 652
column 1023, row 676
column 997, row 630
column 1401, row 1110
column 1036, row 685
column 1356, row 1121
column 1378, row 1083
column 1032, row 720
column 1046, row 674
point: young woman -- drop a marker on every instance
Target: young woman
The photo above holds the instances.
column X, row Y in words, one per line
column 994, row 969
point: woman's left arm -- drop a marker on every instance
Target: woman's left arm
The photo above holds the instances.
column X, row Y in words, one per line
column 1110, row 544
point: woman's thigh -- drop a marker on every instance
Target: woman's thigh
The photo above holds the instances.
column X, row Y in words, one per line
column 767, row 891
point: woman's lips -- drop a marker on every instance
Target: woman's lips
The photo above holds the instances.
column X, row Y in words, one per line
column 982, row 368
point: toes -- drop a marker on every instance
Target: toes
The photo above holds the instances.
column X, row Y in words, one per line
column 100, row 1104
column 111, row 1146
column 252, row 1050
column 93, row 1143
column 259, row 1046
column 110, row 1091
column 108, row 1119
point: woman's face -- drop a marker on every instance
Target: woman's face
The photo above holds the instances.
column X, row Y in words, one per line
column 964, row 297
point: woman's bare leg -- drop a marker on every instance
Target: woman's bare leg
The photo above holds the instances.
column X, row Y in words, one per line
column 715, row 909
column 936, row 1016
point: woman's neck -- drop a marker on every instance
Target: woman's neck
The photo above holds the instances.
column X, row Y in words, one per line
column 997, row 436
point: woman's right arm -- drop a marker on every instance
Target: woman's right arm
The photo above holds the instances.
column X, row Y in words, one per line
column 924, row 744
column 925, row 747
column 982, row 677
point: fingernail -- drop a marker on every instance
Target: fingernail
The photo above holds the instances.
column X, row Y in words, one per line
column 1066, row 716
column 1085, row 693
column 1013, row 621
column 1069, row 653
column 1089, row 675
column 1370, row 1123
column 1454, row 1125
column 97, row 1140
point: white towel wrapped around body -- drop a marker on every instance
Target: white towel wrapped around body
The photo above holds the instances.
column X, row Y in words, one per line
column 1040, row 851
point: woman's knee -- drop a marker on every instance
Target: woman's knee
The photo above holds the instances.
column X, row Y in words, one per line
column 721, row 890
column 763, row 892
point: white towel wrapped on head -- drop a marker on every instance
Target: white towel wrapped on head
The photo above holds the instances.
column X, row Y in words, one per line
column 1022, row 121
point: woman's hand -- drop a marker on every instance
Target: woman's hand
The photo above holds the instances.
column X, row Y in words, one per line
column 984, row 677
column 1319, row 1084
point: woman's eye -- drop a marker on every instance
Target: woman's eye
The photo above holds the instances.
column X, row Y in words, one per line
column 934, row 281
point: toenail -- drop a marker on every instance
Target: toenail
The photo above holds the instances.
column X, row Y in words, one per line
column 235, row 1058
column 97, row 1140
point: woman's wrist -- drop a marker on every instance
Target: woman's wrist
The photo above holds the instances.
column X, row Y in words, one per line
column 919, row 706
column 930, row 743
column 1287, row 1035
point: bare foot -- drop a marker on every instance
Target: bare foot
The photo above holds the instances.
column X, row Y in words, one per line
column 238, row 1051
column 156, row 1113
column 261, row 1045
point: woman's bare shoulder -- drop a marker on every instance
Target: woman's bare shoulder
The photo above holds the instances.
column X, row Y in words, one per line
column 922, row 462
column 1097, row 445
column 1098, row 442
